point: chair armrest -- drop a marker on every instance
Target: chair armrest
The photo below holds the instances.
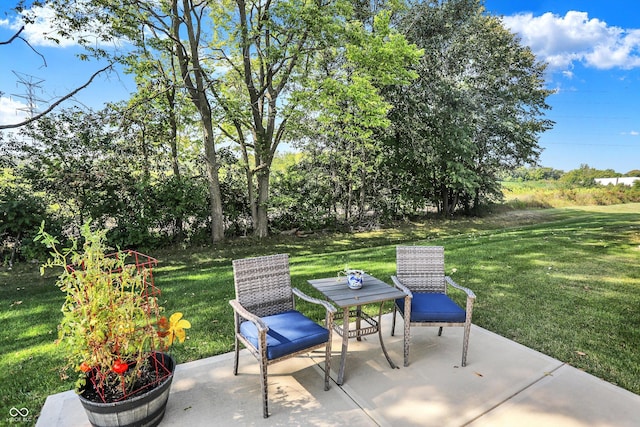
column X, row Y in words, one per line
column 469, row 292
column 330, row 308
column 402, row 287
column 243, row 312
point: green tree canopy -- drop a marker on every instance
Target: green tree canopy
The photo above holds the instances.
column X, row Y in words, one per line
column 476, row 109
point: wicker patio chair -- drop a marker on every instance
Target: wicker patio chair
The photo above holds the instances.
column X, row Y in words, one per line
column 266, row 321
column 420, row 274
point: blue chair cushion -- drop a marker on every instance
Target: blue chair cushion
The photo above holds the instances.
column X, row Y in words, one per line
column 433, row 307
column 288, row 333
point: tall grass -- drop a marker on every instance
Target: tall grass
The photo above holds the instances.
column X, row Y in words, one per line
column 546, row 194
column 562, row 281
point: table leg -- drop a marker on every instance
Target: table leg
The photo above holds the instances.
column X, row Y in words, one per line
column 345, row 345
column 384, row 350
column 358, row 320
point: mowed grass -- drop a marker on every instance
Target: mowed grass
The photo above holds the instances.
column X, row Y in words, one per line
column 565, row 282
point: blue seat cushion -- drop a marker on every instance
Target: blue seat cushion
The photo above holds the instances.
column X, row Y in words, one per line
column 288, row 333
column 433, row 307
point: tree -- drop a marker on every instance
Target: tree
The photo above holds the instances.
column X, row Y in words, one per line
column 175, row 28
column 72, row 157
column 523, row 173
column 585, row 176
column 256, row 52
column 21, row 213
column 90, row 166
column 348, row 107
column 268, row 49
column 511, row 99
column 243, row 63
column 157, row 115
column 190, row 19
column 475, row 110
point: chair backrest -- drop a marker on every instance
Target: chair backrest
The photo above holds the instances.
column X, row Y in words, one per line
column 263, row 284
column 421, row 268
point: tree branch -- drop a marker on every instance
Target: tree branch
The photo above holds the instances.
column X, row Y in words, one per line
column 15, row 36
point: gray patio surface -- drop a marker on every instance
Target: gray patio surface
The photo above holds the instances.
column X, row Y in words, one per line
column 503, row 384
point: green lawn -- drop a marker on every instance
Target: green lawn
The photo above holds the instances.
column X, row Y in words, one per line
column 565, row 282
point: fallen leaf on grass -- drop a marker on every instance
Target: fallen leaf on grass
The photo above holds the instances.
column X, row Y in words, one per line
column 580, row 353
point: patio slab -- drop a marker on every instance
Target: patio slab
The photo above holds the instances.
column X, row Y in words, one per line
column 567, row 397
column 503, row 384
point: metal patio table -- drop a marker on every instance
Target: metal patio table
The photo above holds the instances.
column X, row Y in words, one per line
column 372, row 291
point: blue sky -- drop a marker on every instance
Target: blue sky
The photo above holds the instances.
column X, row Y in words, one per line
column 593, row 51
column 592, row 47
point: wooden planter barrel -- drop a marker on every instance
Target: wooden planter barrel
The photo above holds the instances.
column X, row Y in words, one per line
column 145, row 410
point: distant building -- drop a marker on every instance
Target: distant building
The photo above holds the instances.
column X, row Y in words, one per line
column 625, row 180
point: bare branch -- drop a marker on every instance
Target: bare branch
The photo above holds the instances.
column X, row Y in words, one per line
column 44, row 60
column 58, row 102
column 15, row 36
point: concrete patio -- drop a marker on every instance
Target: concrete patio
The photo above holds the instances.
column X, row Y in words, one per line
column 503, row 384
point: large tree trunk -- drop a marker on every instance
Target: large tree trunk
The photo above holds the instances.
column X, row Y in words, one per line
column 175, row 164
column 215, row 200
column 261, row 218
column 194, row 79
column 173, row 130
column 253, row 203
column 444, row 200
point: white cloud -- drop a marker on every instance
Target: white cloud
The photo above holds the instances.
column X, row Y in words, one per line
column 36, row 33
column 42, row 29
column 561, row 41
column 11, row 111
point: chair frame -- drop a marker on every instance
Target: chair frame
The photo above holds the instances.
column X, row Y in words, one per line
column 263, row 288
column 420, row 269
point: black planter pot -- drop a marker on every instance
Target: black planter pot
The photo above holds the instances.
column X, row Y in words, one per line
column 145, row 410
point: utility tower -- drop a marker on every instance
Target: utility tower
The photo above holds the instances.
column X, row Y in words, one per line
column 31, row 84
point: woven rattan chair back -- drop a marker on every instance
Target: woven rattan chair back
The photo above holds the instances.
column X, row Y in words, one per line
column 263, row 284
column 421, row 268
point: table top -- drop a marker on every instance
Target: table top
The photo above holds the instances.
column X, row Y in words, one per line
column 372, row 290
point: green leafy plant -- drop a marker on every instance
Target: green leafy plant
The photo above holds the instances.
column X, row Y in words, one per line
column 112, row 325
